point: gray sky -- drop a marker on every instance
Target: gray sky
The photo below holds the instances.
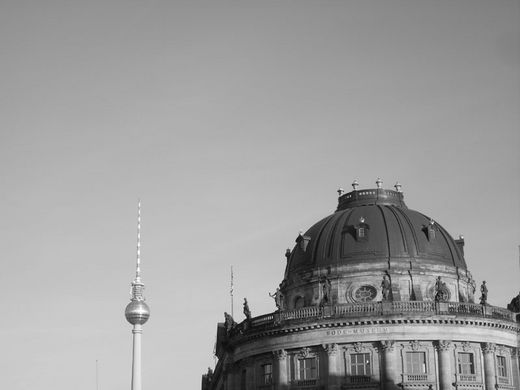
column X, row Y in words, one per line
column 235, row 122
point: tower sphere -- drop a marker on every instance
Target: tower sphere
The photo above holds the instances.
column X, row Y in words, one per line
column 137, row 312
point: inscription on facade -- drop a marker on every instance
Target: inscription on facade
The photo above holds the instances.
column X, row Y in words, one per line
column 341, row 332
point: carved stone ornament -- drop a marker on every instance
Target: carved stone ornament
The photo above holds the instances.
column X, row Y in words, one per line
column 388, row 345
column 503, row 350
column 466, row 346
column 358, row 347
column 331, row 349
column 416, row 345
column 304, row 352
column 280, row 354
column 443, row 345
column 488, row 348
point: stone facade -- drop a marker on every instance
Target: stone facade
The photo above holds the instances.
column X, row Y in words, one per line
column 365, row 307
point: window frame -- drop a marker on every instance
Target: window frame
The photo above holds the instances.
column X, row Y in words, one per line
column 502, row 368
column 302, row 368
column 366, row 364
column 409, row 366
column 461, row 365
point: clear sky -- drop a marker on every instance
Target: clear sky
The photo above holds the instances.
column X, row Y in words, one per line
column 235, row 123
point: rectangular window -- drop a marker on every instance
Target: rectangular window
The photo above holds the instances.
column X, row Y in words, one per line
column 466, row 363
column 501, row 366
column 267, row 374
column 308, row 368
column 416, row 362
column 360, row 364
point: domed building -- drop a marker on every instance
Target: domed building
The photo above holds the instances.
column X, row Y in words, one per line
column 374, row 296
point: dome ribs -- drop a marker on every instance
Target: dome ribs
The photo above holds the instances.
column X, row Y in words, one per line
column 412, row 233
column 387, row 234
column 316, row 245
column 346, row 220
column 393, row 210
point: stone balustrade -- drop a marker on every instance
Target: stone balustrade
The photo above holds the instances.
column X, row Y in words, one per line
column 377, row 309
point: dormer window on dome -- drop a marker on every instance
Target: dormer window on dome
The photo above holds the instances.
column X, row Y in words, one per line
column 362, row 230
column 303, row 241
column 430, row 230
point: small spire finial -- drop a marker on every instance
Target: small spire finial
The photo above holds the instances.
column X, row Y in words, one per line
column 355, row 185
column 397, row 186
column 379, row 183
column 340, row 191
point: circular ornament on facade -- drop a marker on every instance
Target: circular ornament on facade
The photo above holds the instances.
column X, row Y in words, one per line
column 441, row 295
column 365, row 294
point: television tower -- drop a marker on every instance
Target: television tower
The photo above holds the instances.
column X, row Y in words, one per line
column 137, row 311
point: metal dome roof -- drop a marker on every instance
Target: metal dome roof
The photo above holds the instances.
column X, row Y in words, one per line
column 375, row 226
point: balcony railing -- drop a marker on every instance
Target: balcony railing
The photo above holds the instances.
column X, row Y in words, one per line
column 415, row 377
column 467, row 377
column 359, row 379
column 374, row 309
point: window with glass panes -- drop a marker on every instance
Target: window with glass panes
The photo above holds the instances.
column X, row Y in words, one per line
column 465, row 363
column 267, row 374
column 360, row 364
column 308, row 368
column 501, row 366
column 416, row 362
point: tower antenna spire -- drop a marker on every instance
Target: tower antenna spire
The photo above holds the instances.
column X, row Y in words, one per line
column 138, row 260
column 231, row 291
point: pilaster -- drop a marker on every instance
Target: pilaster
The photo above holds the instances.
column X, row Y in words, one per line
column 444, row 348
column 390, row 365
column 488, row 349
column 334, row 381
column 281, row 378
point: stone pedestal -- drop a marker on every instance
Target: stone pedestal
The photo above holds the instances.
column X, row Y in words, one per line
column 445, row 374
column 489, row 365
column 280, row 380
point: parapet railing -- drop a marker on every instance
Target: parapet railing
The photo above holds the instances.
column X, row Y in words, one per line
column 372, row 309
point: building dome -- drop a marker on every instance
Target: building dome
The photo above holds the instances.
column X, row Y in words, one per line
column 391, row 234
column 137, row 312
column 373, row 235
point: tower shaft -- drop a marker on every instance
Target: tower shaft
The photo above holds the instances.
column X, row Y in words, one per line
column 137, row 332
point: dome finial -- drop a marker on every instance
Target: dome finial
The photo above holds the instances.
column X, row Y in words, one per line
column 397, row 186
column 379, row 183
column 355, row 185
column 340, row 191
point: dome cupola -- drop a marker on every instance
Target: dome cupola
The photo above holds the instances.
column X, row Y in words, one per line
column 373, row 234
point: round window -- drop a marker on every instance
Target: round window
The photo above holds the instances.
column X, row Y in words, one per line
column 365, row 294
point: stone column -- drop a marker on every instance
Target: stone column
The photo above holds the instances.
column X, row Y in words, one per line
column 229, row 378
column 392, row 374
column 445, row 374
column 250, row 373
column 489, row 365
column 515, row 358
column 280, row 380
column 334, row 379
